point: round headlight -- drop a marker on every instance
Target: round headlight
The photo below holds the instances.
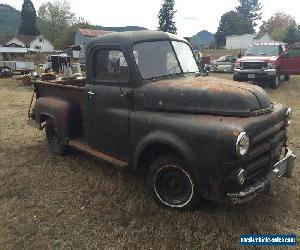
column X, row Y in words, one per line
column 242, row 144
column 241, row 177
column 288, row 116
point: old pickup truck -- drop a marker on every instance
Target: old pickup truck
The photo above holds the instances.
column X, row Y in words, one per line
column 144, row 105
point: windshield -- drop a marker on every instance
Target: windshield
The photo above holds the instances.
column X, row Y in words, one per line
column 263, row 50
column 156, row 59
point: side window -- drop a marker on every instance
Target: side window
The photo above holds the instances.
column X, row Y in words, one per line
column 103, row 66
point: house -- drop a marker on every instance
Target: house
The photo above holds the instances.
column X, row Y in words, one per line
column 34, row 43
column 245, row 40
column 82, row 36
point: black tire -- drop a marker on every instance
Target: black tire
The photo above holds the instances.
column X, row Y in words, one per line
column 236, row 78
column 172, row 184
column 275, row 81
column 54, row 139
column 286, row 78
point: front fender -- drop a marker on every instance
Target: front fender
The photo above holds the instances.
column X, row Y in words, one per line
column 170, row 140
column 66, row 115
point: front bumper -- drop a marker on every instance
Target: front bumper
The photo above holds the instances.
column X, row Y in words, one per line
column 259, row 74
column 283, row 168
column 222, row 67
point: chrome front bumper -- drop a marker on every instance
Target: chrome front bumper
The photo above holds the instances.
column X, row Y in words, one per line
column 283, row 168
column 269, row 72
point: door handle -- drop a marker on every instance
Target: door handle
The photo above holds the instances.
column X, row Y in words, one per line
column 90, row 93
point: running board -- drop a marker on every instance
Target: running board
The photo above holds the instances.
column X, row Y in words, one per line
column 85, row 148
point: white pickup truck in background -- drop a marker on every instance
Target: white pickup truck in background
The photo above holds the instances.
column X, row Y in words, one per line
column 18, row 66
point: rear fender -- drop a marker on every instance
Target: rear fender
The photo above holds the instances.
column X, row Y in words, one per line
column 66, row 115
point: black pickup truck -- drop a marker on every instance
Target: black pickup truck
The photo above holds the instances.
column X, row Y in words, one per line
column 144, row 105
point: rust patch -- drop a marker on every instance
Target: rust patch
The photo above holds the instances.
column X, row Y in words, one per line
column 85, row 148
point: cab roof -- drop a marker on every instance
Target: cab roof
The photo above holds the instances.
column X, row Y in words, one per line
column 128, row 38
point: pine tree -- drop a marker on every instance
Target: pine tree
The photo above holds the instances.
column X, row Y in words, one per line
column 251, row 10
column 28, row 16
column 166, row 15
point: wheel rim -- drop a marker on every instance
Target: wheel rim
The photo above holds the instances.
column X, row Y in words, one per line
column 173, row 186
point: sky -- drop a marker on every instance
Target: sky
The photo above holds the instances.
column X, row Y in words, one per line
column 192, row 15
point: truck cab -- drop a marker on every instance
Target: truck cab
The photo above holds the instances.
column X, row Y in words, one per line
column 145, row 106
column 268, row 62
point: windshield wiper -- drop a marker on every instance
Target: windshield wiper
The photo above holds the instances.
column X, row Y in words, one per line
column 262, row 54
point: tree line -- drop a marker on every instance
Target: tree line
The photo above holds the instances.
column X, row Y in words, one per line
column 243, row 20
column 54, row 20
column 58, row 23
column 281, row 27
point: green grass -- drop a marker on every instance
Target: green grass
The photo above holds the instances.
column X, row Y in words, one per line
column 75, row 202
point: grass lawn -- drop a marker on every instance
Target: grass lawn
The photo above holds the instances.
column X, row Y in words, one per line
column 75, row 202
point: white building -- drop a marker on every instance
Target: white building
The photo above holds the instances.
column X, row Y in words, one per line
column 244, row 41
column 35, row 43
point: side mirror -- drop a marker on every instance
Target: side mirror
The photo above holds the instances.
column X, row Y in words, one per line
column 239, row 55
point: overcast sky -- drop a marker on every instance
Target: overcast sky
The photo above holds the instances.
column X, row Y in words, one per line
column 192, row 15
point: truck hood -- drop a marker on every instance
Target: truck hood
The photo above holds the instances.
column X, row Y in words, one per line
column 203, row 95
column 258, row 58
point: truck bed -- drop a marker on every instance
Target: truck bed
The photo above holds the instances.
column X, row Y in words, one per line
column 71, row 90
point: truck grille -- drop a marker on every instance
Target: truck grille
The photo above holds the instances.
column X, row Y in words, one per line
column 253, row 65
column 263, row 153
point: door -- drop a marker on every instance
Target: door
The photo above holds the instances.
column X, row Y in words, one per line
column 107, row 108
column 290, row 61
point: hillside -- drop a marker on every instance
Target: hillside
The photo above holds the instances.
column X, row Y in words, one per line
column 10, row 20
column 202, row 39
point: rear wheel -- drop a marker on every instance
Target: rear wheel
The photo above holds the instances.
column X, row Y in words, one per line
column 54, row 138
column 275, row 81
column 172, row 183
column 286, row 78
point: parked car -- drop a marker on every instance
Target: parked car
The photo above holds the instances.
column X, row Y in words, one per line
column 145, row 106
column 6, row 72
column 268, row 62
column 224, row 64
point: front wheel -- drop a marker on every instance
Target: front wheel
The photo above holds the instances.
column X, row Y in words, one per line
column 236, row 78
column 172, row 183
column 275, row 81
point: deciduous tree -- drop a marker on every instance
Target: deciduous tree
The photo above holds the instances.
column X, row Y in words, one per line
column 54, row 18
column 67, row 36
column 278, row 25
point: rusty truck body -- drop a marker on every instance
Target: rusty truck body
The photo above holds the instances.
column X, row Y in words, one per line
column 144, row 105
